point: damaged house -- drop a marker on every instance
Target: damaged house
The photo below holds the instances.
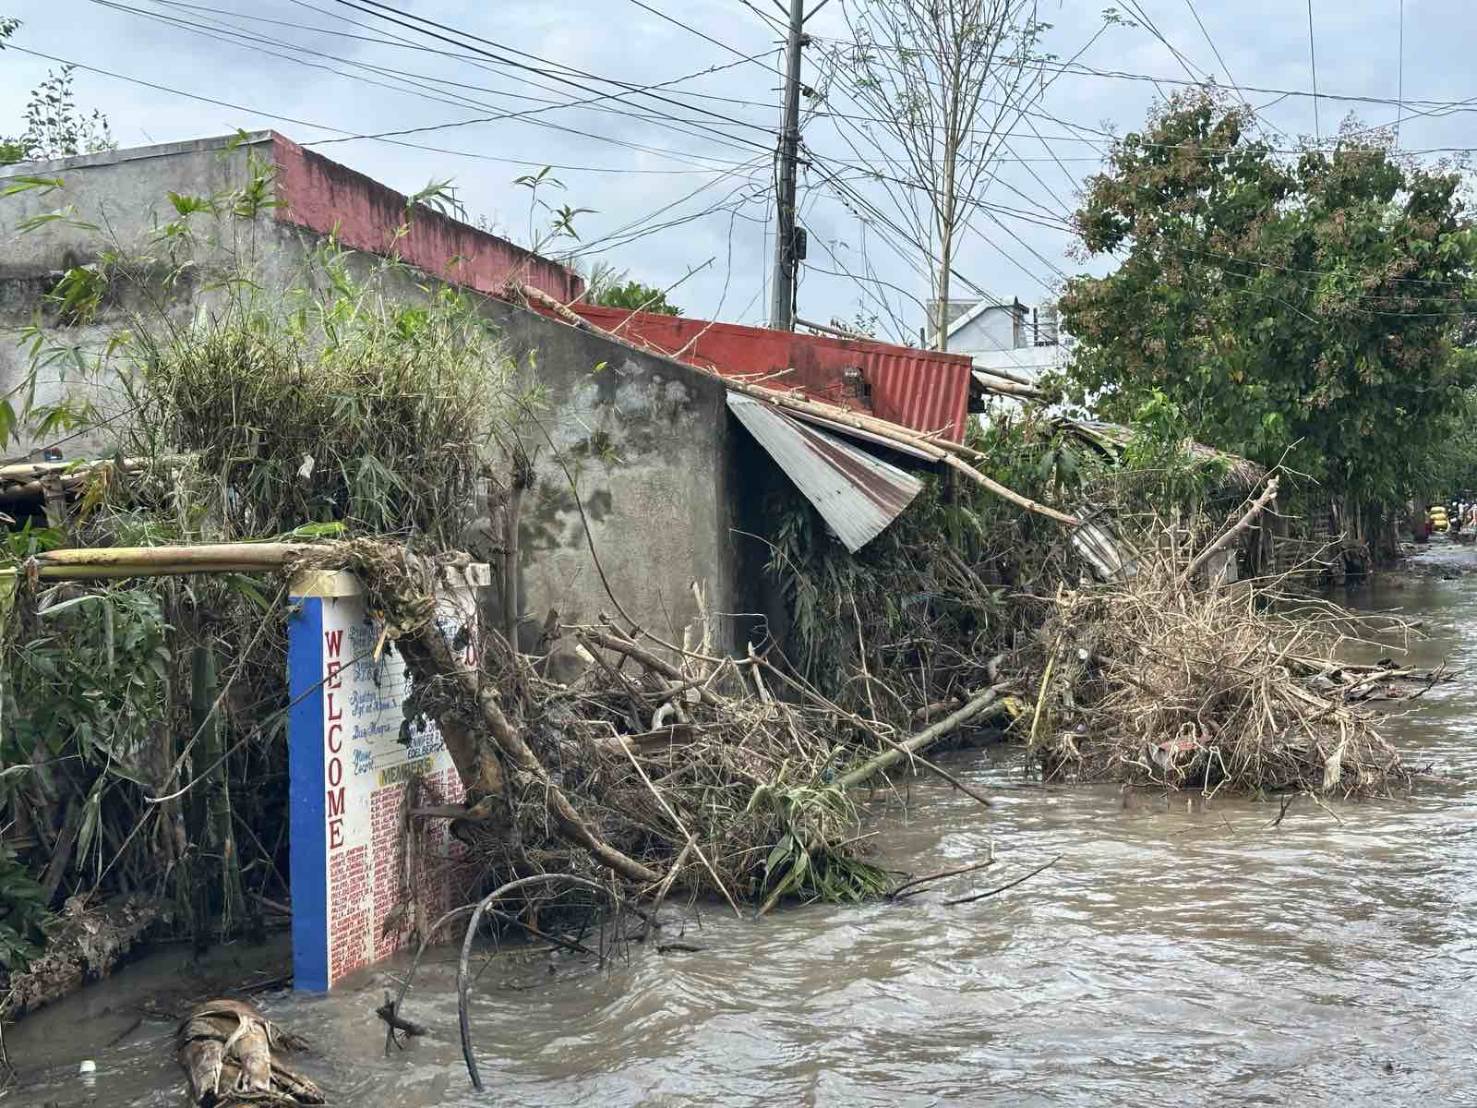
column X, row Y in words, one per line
column 669, row 453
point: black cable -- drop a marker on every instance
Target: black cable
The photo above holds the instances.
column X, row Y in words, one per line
column 348, row 134
column 524, row 115
column 690, row 29
column 513, row 63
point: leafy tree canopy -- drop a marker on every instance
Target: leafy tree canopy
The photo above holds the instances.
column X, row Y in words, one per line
column 1302, row 308
column 634, row 296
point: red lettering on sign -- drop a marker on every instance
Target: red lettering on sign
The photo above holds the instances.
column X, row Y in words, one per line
column 335, row 834
column 336, row 772
column 335, row 709
column 335, row 642
column 335, row 803
column 334, row 669
column 335, row 737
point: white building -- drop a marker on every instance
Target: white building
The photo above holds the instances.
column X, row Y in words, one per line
column 1007, row 338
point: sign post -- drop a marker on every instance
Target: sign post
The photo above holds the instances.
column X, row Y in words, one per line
column 356, row 765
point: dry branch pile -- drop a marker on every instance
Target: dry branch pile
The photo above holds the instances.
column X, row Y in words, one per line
column 660, row 765
column 1152, row 681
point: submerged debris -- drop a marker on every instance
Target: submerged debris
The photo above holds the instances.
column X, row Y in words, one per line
column 231, row 1053
column 1150, row 681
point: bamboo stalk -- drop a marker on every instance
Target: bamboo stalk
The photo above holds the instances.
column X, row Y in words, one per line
column 129, row 561
column 1230, row 534
column 922, row 740
column 30, row 471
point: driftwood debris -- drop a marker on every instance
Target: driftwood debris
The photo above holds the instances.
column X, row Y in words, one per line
column 88, row 945
column 231, row 1054
column 974, row 709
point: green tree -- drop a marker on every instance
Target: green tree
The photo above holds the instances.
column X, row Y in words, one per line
column 1303, row 308
column 632, row 295
column 54, row 126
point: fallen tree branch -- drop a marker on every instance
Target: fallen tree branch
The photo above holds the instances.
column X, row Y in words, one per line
column 651, row 661
column 924, row 739
column 1229, row 535
column 886, row 740
column 1008, row 885
column 682, row 827
column 913, row 886
column 430, row 661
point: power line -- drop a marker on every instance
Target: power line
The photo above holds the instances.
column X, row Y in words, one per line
column 593, row 103
column 1313, row 63
column 1080, row 69
column 551, row 73
column 691, row 29
column 348, row 134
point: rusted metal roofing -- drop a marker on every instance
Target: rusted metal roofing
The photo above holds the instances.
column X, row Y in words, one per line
column 924, row 390
column 857, row 493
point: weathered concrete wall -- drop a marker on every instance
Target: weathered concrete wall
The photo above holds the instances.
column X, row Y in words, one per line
column 648, row 439
column 106, row 202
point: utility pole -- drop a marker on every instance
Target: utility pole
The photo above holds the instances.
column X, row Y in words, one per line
column 787, row 245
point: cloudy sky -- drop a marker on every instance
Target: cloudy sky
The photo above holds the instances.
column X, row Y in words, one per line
column 679, row 180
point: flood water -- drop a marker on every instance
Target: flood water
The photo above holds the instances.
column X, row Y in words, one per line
column 1181, row 952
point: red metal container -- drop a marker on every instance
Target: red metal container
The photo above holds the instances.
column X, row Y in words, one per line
column 924, row 390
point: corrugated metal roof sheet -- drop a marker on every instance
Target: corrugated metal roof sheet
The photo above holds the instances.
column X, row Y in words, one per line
column 924, row 390
column 856, row 493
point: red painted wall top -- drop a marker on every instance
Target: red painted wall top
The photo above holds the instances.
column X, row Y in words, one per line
column 328, row 198
column 922, row 389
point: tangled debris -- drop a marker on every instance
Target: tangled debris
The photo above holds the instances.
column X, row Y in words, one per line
column 232, row 1055
column 1150, row 681
column 661, row 765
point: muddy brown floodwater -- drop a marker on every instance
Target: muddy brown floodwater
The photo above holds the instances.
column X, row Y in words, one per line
column 1181, row 952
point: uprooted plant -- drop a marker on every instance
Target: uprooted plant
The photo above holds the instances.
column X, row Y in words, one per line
column 1153, row 679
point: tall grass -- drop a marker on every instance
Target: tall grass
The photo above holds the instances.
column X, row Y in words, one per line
column 350, row 397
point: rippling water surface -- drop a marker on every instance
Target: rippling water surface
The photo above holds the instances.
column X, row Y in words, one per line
column 1181, row 952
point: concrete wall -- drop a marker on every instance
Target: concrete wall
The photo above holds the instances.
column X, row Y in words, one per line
column 112, row 202
column 649, row 439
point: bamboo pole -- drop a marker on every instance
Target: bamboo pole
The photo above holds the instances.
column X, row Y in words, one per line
column 31, row 471
column 922, row 740
column 1230, row 534
column 131, row 561
column 951, row 454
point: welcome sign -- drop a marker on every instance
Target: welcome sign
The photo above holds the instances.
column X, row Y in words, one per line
column 364, row 875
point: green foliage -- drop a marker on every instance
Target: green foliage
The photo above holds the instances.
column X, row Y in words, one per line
column 339, row 400
column 54, row 126
column 23, row 914
column 348, row 398
column 805, row 862
column 1303, row 309
column 561, row 218
column 1157, row 466
column 343, row 406
column 927, row 598
column 90, row 683
column 633, row 295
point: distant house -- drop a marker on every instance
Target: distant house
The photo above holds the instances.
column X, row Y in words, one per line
column 1007, row 338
